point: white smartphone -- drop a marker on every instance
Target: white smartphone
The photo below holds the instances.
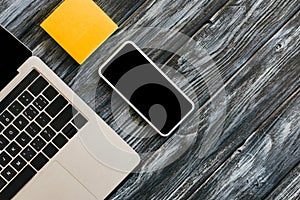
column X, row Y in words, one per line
column 134, row 76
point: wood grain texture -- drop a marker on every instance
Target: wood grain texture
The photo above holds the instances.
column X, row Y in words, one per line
column 23, row 18
column 4, row 4
column 120, row 11
column 152, row 14
column 289, row 188
column 265, row 159
column 159, row 14
column 259, row 78
column 236, row 33
column 259, row 87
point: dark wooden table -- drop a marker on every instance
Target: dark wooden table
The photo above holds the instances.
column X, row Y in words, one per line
column 243, row 141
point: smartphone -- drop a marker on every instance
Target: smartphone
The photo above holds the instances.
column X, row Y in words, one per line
column 135, row 77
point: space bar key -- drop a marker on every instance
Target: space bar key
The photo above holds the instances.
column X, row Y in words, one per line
column 17, row 183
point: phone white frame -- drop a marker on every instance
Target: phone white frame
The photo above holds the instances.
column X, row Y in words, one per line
column 161, row 72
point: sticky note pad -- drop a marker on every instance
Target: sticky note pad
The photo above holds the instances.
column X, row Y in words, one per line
column 80, row 27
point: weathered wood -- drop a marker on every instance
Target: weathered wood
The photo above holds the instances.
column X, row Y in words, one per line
column 64, row 66
column 58, row 60
column 23, row 18
column 163, row 14
column 265, row 159
column 255, row 88
column 289, row 188
column 259, row 88
column 119, row 11
column 236, row 33
column 4, row 4
column 152, row 14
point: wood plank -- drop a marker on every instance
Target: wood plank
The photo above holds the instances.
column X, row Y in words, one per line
column 86, row 80
column 151, row 14
column 267, row 157
column 235, row 34
column 18, row 17
column 150, row 18
column 22, row 18
column 27, row 15
column 288, row 188
column 4, row 5
column 259, row 88
column 120, row 10
column 159, row 14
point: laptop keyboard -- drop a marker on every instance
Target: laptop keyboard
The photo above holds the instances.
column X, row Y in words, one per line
column 36, row 121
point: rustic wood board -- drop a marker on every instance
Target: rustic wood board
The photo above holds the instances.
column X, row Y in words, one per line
column 86, row 80
column 4, row 5
column 259, row 164
column 66, row 68
column 232, row 37
column 22, row 18
column 151, row 14
column 236, row 33
column 252, row 95
column 288, row 188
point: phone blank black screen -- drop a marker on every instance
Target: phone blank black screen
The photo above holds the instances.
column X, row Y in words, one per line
column 147, row 89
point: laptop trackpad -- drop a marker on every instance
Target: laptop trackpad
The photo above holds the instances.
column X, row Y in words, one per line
column 55, row 178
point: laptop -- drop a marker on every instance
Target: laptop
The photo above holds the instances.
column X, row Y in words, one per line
column 52, row 144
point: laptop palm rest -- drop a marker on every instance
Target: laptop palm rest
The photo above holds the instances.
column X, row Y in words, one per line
column 88, row 170
column 54, row 179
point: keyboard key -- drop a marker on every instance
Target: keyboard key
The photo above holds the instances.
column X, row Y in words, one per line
column 26, row 98
column 1, row 128
column 50, row 150
column 33, row 129
column 30, row 113
column 63, row 118
column 13, row 149
column 38, row 86
column 18, row 163
column 13, row 95
column 11, row 132
column 16, row 108
column 2, row 183
column 69, row 131
column 4, row 159
column 56, row 106
column 8, row 173
column 79, row 121
column 40, row 103
column 38, row 143
column 50, row 93
column 21, row 122
column 3, row 142
column 60, row 140
column 17, row 183
column 39, row 161
column 48, row 134
column 6, row 118
column 23, row 139
column 28, row 153
column 43, row 119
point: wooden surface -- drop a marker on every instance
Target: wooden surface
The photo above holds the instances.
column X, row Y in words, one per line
column 242, row 142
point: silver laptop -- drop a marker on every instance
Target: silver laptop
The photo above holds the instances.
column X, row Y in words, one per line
column 52, row 145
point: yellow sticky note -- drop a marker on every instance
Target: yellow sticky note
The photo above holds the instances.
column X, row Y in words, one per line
column 80, row 27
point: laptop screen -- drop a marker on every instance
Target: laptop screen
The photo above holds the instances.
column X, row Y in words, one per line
column 13, row 55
